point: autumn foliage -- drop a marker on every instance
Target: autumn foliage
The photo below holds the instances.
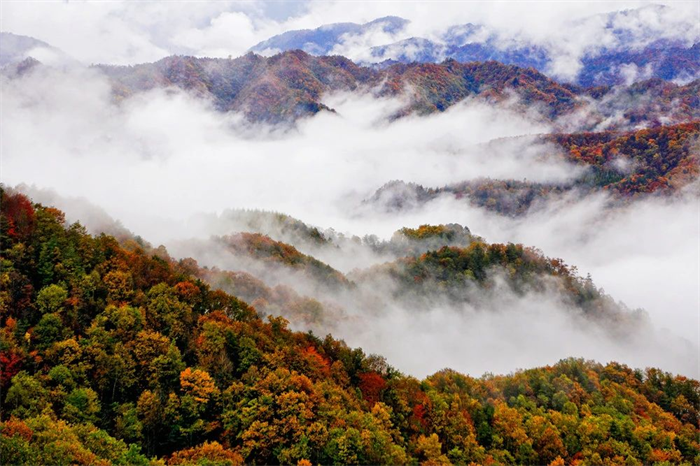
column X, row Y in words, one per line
column 116, row 354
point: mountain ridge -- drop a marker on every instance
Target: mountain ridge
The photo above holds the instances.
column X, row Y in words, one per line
column 633, row 55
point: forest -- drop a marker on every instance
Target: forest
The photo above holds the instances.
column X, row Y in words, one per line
column 313, row 233
column 114, row 353
column 626, row 165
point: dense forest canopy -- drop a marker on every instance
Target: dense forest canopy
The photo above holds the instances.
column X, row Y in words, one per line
column 117, row 354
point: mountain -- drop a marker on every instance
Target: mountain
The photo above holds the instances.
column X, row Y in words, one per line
column 290, row 85
column 275, row 89
column 15, row 49
column 115, row 355
column 662, row 161
column 668, row 60
column 322, row 40
column 653, row 102
column 457, row 45
column 634, row 53
column 452, row 274
column 663, row 59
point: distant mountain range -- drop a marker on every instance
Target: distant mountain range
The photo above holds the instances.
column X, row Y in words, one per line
column 634, row 55
column 631, row 51
column 15, row 48
column 322, row 40
column 293, row 84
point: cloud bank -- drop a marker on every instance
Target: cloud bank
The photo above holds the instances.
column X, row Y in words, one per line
column 159, row 160
column 124, row 32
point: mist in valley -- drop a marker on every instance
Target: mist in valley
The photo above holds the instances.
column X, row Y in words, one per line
column 168, row 167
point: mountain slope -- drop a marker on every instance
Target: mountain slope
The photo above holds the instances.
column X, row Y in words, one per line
column 16, row 48
column 290, row 85
column 113, row 356
column 262, row 248
column 634, row 50
column 652, row 102
column 437, row 87
column 322, row 40
column 662, row 59
column 662, row 161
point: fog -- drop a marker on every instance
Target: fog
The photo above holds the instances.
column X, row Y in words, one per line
column 163, row 156
column 512, row 332
column 645, row 254
column 160, row 162
column 125, row 32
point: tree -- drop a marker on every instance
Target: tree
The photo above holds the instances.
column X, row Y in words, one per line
column 119, row 286
column 82, row 405
column 26, row 397
column 430, row 449
column 206, row 454
column 50, row 329
column 51, row 299
column 198, row 384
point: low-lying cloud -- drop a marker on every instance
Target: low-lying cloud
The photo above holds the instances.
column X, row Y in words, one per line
column 159, row 160
column 513, row 332
column 160, row 157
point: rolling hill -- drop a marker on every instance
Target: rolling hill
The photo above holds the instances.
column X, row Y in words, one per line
column 113, row 355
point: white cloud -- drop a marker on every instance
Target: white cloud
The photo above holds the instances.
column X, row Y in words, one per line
column 162, row 157
column 126, row 32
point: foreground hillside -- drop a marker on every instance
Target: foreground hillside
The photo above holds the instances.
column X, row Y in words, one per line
column 112, row 354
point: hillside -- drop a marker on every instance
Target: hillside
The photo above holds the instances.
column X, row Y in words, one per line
column 262, row 248
column 664, row 60
column 17, row 48
column 631, row 46
column 481, row 271
column 113, row 355
column 291, row 84
column 627, row 165
column 437, row 87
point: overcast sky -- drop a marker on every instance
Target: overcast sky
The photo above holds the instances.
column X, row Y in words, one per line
column 127, row 32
